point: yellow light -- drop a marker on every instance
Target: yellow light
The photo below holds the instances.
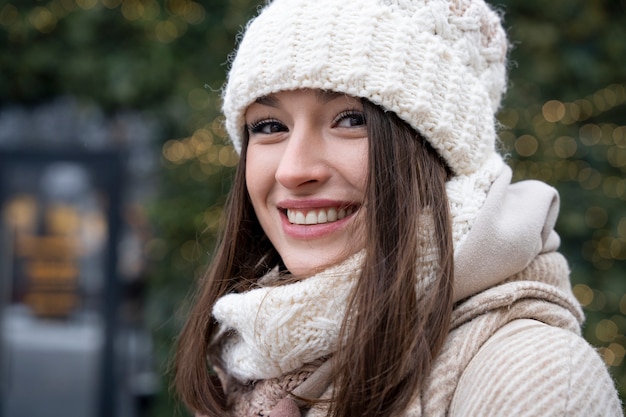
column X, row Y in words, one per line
column 618, row 250
column 194, row 13
column 86, row 4
column 63, row 219
column 553, row 111
column 607, row 355
column 132, row 10
column 619, row 352
column 42, row 19
column 607, row 130
column 619, row 136
column 526, row 145
column 616, row 156
column 217, row 126
column 21, row 213
column 565, row 147
column 589, row 178
column 228, row 157
column 609, row 97
column 613, row 186
column 583, row 294
column 590, row 134
column 599, row 102
column 174, row 151
column 204, row 135
column 572, row 113
column 605, row 246
column 606, row 330
column 542, row 127
column 210, row 156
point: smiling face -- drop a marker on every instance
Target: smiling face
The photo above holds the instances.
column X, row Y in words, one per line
column 306, row 171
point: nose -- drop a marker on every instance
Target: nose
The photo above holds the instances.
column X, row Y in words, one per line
column 303, row 162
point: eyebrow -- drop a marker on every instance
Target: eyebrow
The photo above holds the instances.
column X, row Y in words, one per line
column 324, row 96
column 268, row 100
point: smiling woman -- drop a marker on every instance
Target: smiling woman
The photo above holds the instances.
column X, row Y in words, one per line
column 306, row 171
column 375, row 258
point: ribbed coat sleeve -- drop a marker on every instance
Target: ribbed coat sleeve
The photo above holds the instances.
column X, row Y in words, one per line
column 529, row 369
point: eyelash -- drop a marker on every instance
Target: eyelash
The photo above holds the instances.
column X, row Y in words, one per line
column 350, row 113
column 257, row 126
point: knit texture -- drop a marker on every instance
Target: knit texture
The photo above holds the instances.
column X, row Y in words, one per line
column 275, row 336
column 440, row 65
column 546, row 369
column 437, row 64
column 568, row 378
column 281, row 328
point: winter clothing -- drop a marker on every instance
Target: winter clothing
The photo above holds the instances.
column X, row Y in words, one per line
column 514, row 347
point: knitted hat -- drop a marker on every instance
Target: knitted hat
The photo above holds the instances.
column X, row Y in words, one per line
column 440, row 65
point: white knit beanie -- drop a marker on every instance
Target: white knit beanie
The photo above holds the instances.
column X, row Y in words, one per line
column 440, row 65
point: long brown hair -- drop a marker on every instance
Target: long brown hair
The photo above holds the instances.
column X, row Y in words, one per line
column 391, row 340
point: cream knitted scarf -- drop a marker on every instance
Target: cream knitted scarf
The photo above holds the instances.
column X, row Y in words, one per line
column 265, row 377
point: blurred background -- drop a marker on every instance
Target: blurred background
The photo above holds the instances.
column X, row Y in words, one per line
column 114, row 168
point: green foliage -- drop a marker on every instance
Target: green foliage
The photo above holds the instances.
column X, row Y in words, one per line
column 563, row 123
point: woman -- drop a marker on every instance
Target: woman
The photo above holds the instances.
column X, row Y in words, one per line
column 375, row 259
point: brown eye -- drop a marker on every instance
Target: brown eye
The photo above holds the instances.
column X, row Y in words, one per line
column 267, row 127
column 350, row 118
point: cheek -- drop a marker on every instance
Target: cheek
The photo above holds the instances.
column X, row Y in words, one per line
column 259, row 177
column 357, row 165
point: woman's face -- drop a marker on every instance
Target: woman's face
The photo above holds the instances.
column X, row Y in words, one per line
column 306, row 172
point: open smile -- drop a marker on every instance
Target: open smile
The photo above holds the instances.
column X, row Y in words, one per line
column 318, row 215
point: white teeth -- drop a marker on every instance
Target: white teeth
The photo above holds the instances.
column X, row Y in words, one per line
column 319, row 216
column 311, row 218
column 332, row 215
column 299, row 218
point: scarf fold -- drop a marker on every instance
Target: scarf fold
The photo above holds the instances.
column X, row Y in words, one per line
column 514, row 225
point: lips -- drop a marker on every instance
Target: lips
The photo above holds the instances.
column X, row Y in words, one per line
column 318, row 215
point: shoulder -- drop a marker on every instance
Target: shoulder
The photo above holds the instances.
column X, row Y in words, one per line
column 528, row 368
